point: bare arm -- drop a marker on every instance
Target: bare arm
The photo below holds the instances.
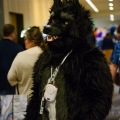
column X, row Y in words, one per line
column 113, row 69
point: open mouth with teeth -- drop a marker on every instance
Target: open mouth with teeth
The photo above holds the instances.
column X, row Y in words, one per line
column 52, row 38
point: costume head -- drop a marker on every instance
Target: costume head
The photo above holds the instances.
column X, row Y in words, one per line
column 68, row 25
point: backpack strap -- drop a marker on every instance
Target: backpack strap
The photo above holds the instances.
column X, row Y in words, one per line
column 17, row 89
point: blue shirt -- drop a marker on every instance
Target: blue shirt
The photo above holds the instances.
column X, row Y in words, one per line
column 8, row 51
column 116, row 54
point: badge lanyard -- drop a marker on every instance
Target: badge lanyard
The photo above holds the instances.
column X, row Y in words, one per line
column 52, row 80
column 54, row 74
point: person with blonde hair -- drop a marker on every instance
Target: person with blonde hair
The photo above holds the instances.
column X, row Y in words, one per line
column 21, row 71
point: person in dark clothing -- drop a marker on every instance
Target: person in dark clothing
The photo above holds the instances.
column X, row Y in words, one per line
column 8, row 51
column 107, row 42
column 107, row 46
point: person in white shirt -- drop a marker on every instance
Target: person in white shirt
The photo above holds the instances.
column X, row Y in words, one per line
column 20, row 73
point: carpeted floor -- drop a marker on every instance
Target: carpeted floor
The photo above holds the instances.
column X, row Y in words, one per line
column 115, row 111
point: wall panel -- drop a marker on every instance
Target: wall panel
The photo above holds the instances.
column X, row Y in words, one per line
column 35, row 12
column 1, row 17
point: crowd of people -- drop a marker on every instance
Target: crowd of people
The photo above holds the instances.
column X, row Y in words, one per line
column 108, row 41
column 16, row 64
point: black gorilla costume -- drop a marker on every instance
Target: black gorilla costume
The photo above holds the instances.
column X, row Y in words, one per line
column 84, row 81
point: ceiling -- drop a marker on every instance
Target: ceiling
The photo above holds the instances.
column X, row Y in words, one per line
column 102, row 18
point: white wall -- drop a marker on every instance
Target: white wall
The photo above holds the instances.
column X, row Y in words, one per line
column 35, row 12
column 102, row 23
column 103, row 19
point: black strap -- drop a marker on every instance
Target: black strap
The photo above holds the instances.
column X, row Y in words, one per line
column 17, row 88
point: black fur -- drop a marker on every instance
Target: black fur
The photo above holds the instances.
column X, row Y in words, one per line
column 84, row 81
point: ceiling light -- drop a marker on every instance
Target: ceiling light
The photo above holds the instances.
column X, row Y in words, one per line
column 111, row 8
column 110, row 4
column 110, row 0
column 112, row 17
column 92, row 5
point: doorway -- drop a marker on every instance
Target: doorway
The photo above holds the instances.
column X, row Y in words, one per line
column 17, row 20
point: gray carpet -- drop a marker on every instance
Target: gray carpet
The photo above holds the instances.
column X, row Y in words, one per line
column 115, row 111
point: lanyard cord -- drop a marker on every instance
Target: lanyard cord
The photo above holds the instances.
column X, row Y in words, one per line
column 54, row 74
column 52, row 80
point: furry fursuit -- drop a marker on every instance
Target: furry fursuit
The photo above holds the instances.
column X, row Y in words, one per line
column 84, row 81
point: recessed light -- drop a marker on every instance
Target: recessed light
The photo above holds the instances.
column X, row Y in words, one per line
column 112, row 17
column 110, row 4
column 111, row 8
column 110, row 0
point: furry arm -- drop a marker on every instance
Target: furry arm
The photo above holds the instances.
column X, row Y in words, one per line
column 89, row 87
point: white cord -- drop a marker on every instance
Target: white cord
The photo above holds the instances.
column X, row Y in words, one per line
column 54, row 74
column 52, row 80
